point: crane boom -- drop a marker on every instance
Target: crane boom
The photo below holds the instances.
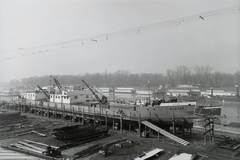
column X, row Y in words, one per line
column 104, row 98
column 47, row 95
column 57, row 83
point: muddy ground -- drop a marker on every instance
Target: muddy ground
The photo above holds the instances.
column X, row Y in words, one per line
column 12, row 133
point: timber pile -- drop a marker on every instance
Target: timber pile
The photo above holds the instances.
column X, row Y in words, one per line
column 15, row 124
column 7, row 117
column 9, row 128
column 33, row 147
column 79, row 132
column 229, row 144
column 13, row 154
column 79, row 142
column 109, row 148
column 88, row 151
column 105, row 149
column 29, row 132
column 5, row 134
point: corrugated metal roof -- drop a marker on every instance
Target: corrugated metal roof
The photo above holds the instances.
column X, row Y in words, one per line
column 149, row 154
column 182, row 156
column 8, row 154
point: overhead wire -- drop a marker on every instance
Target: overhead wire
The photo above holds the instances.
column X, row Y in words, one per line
column 135, row 30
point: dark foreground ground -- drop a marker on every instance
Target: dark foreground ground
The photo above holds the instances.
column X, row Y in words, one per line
column 138, row 145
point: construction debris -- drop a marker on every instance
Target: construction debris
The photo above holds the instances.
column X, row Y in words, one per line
column 27, row 132
column 40, row 134
column 78, row 142
column 110, row 147
column 87, row 151
column 18, row 145
column 42, row 144
column 46, row 150
column 229, row 144
column 8, row 153
column 9, row 117
column 79, row 132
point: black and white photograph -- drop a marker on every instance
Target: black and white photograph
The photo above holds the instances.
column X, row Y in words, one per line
column 119, row 79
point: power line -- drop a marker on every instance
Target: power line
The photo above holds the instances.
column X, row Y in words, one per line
column 135, row 30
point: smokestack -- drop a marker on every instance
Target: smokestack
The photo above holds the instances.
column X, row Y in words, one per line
column 211, row 91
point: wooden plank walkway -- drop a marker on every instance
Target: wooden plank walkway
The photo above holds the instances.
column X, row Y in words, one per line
column 165, row 133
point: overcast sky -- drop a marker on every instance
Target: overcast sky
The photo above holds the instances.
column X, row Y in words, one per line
column 26, row 25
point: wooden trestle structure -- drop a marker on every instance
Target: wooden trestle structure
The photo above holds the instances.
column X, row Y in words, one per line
column 75, row 113
column 81, row 114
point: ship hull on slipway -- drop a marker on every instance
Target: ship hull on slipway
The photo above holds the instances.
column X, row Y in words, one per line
column 181, row 113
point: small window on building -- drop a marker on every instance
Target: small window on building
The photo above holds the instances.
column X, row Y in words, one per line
column 51, row 96
column 86, row 96
column 67, row 97
column 75, row 97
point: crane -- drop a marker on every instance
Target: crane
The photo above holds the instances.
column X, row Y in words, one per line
column 57, row 83
column 46, row 94
column 104, row 98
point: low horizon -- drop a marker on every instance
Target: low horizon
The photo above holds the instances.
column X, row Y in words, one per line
column 164, row 73
column 77, row 37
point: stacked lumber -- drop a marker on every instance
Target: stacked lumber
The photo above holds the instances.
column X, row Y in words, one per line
column 88, row 151
column 11, row 128
column 27, row 132
column 28, row 147
column 7, row 153
column 109, row 148
column 31, row 147
column 39, row 143
column 10, row 116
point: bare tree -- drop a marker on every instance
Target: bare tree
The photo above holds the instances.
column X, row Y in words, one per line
column 203, row 74
column 183, row 74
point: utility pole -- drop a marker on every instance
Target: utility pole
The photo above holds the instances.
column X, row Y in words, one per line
column 149, row 92
column 113, row 95
column 50, row 87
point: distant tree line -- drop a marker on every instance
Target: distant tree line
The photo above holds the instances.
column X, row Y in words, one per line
column 203, row 75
